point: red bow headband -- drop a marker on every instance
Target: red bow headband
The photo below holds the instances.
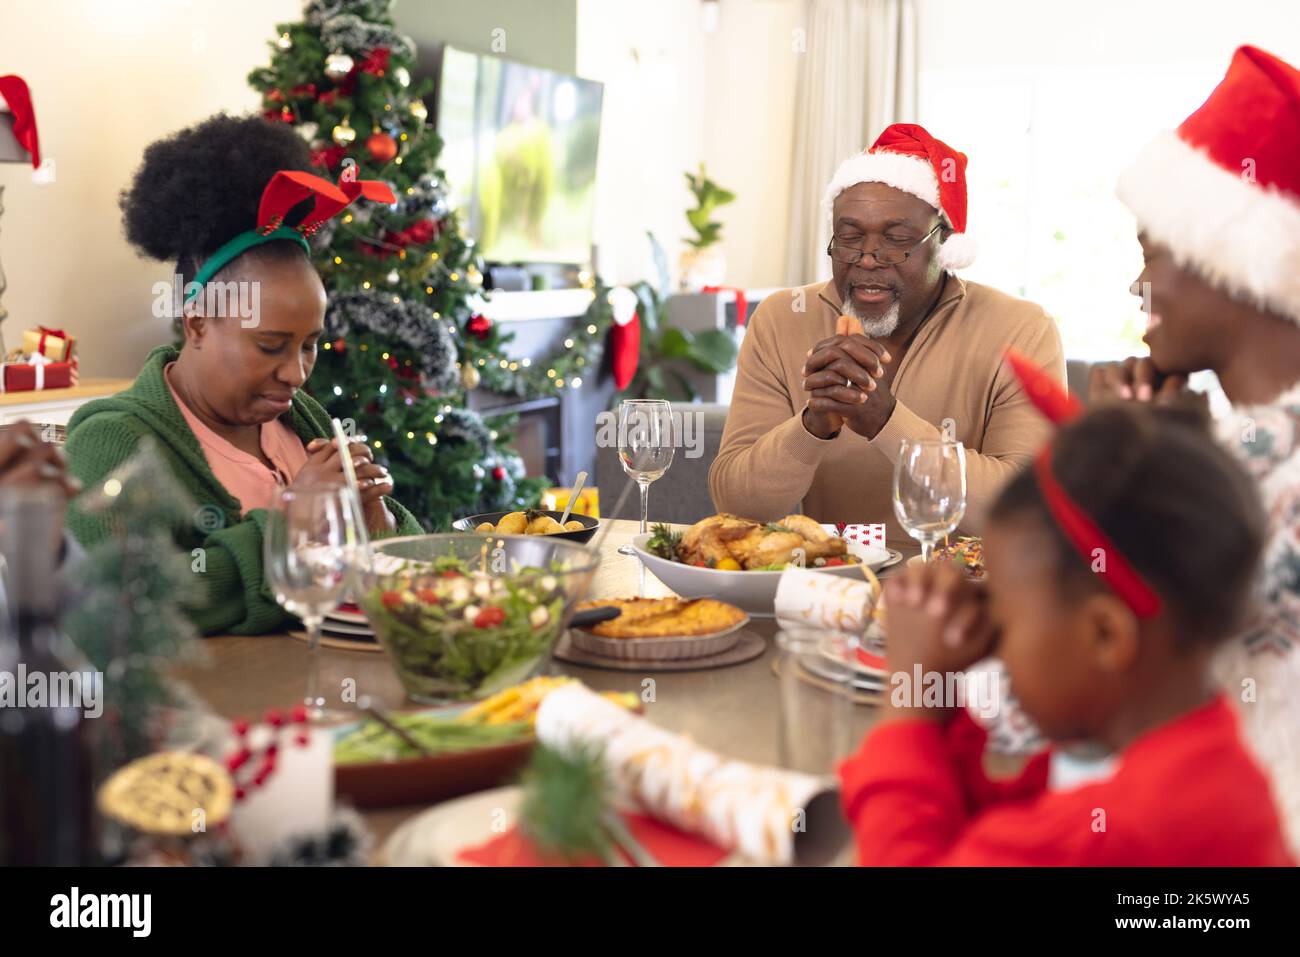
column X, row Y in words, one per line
column 286, row 190
column 1083, row 533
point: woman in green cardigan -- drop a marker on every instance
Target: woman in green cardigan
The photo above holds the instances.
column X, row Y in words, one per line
column 227, row 410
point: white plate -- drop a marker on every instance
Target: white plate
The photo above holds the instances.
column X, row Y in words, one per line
column 434, row 838
column 752, row 592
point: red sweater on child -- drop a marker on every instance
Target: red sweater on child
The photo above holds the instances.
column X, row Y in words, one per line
column 1185, row 794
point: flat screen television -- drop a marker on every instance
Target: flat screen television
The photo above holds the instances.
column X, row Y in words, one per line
column 519, row 151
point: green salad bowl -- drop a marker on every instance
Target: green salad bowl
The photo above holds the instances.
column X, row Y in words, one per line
column 464, row 616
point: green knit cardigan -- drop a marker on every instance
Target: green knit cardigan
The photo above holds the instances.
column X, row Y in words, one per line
column 104, row 433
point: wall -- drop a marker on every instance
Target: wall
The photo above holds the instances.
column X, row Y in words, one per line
column 538, row 32
column 675, row 96
column 107, row 79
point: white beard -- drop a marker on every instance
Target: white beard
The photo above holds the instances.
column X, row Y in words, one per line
column 876, row 328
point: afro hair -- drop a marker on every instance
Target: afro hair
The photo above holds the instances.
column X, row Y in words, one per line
column 200, row 187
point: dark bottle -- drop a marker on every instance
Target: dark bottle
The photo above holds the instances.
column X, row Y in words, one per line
column 47, row 691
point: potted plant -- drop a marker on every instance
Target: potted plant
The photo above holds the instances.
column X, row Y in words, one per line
column 702, row 262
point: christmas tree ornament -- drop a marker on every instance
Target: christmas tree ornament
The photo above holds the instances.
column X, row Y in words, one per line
column 469, row 377
column 381, row 146
column 286, row 114
column 343, row 134
column 479, row 325
column 403, row 76
column 285, row 42
column 419, row 110
column 499, row 474
column 392, row 278
column 338, row 65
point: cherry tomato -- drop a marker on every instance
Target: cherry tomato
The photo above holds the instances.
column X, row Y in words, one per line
column 489, row 616
column 427, row 595
column 451, row 573
column 391, row 599
column 831, row 562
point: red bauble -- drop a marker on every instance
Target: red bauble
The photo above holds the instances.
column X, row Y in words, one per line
column 286, row 114
column 421, row 232
column 376, row 63
column 499, row 474
column 479, row 326
column 382, row 147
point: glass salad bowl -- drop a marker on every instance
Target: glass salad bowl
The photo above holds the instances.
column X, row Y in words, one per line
column 464, row 616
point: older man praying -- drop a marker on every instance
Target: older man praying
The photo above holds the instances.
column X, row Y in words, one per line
column 833, row 376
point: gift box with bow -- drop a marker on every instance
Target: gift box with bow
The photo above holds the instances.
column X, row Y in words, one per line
column 38, row 372
column 55, row 344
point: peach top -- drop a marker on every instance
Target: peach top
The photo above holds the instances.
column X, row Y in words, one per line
column 245, row 476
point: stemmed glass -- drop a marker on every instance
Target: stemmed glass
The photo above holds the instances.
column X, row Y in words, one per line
column 645, row 447
column 930, row 490
column 308, row 554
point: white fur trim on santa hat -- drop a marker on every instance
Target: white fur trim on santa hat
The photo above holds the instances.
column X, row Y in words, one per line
column 958, row 251
column 908, row 173
column 1239, row 235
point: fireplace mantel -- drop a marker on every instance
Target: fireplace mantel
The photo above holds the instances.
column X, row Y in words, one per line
column 532, row 306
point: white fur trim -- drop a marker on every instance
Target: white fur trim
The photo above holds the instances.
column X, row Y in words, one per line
column 908, row 173
column 958, row 251
column 623, row 303
column 1239, row 235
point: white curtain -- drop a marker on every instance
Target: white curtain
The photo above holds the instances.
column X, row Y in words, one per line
column 857, row 75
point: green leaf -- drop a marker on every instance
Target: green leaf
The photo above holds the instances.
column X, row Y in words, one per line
column 713, row 351
column 676, row 344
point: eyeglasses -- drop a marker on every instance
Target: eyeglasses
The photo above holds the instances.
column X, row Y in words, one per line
column 884, row 256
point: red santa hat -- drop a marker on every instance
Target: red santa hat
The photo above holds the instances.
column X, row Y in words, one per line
column 1222, row 192
column 906, row 157
column 16, row 98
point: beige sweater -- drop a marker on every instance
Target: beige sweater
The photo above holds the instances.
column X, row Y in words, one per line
column 769, row 465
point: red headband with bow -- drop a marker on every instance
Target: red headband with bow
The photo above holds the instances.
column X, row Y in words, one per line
column 1083, row 533
column 288, row 188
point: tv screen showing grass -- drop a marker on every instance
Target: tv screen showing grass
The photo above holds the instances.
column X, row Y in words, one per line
column 520, row 156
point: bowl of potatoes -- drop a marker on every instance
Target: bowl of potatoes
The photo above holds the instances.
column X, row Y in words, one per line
column 534, row 521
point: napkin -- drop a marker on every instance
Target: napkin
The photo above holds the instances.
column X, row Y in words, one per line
column 767, row 814
column 813, row 599
column 665, row 843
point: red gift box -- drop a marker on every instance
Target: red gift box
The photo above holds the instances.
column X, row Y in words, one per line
column 21, row 377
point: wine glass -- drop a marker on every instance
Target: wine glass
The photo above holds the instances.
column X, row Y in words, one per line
column 930, row 490
column 308, row 552
column 645, row 447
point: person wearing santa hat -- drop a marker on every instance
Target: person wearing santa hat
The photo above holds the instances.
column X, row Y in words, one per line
column 833, row 376
column 1217, row 203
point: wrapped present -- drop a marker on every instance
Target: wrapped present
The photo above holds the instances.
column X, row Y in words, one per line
column 588, row 503
column 769, row 815
column 37, row 372
column 55, row 344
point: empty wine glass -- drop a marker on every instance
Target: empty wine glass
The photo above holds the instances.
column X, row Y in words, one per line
column 930, row 490
column 645, row 447
column 308, row 551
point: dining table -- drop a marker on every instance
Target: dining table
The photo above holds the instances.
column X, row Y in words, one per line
column 733, row 710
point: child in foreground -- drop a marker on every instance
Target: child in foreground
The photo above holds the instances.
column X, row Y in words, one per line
column 1115, row 566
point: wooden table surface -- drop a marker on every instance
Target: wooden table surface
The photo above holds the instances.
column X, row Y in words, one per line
column 732, row 710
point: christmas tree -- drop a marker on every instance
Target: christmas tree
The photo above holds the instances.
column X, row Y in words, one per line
column 129, row 618
column 403, row 347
